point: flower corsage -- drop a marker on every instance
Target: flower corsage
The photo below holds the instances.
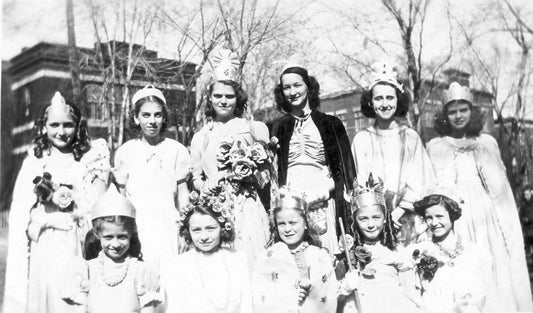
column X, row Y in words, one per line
column 55, row 197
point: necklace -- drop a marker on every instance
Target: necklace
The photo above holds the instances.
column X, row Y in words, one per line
column 451, row 254
column 115, row 280
column 226, row 278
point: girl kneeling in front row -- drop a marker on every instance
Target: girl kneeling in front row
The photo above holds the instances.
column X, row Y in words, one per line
column 294, row 275
column 114, row 278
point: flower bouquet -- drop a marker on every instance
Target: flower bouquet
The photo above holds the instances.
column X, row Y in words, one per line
column 247, row 167
column 426, row 264
column 54, row 196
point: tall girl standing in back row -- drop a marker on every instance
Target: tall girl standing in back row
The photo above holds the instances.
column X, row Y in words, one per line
column 76, row 174
column 151, row 171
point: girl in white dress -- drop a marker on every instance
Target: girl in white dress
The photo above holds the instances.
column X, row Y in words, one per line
column 293, row 275
column 69, row 172
column 114, row 278
column 226, row 104
column 469, row 162
column 211, row 277
column 151, row 172
column 456, row 282
column 392, row 151
column 382, row 267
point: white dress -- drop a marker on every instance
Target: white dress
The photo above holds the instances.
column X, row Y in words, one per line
column 50, row 248
column 473, row 168
column 150, row 175
column 197, row 282
column 398, row 157
column 251, row 219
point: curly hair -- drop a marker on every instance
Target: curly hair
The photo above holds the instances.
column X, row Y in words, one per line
column 435, row 199
column 387, row 236
column 313, row 90
column 81, row 142
column 240, row 96
column 136, row 129
column 92, row 244
column 226, row 235
column 274, row 234
column 442, row 126
column 403, row 101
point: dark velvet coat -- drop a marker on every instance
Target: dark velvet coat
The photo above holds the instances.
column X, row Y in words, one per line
column 338, row 157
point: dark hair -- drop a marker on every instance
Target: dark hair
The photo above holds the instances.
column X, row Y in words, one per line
column 274, row 234
column 313, row 90
column 226, row 235
column 387, row 236
column 402, row 106
column 473, row 128
column 92, row 244
column 81, row 142
column 435, row 199
column 137, row 108
column 240, row 96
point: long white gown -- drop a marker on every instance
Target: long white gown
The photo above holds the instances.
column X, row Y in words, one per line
column 150, row 175
column 473, row 168
column 51, row 248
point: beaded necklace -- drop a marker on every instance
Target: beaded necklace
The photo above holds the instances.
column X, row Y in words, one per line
column 451, row 254
column 203, row 285
column 115, row 280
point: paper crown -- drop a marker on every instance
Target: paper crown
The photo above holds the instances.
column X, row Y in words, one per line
column 112, row 203
column 288, row 198
column 384, row 71
column 457, row 92
column 58, row 102
column 368, row 195
column 293, row 61
column 445, row 191
column 225, row 65
column 148, row 90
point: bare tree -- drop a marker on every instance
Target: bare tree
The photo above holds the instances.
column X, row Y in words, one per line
column 73, row 54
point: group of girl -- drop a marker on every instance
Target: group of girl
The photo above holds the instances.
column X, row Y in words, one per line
column 133, row 238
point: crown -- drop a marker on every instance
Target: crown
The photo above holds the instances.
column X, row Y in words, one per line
column 457, row 92
column 288, row 198
column 384, row 71
column 445, row 191
column 293, row 61
column 368, row 195
column 219, row 204
column 226, row 64
column 112, row 203
column 148, row 90
column 58, row 102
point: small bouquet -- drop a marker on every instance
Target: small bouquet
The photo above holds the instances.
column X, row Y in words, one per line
column 53, row 195
column 248, row 166
column 426, row 265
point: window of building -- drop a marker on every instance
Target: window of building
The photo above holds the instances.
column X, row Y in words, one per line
column 361, row 121
column 27, row 101
column 341, row 114
column 96, row 104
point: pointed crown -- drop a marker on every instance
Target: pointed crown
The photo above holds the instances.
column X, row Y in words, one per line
column 384, row 71
column 148, row 90
column 58, row 102
column 368, row 195
column 225, row 65
column 112, row 203
column 457, row 92
column 288, row 198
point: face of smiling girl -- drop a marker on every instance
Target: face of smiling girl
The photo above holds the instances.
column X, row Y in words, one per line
column 384, row 101
column 370, row 221
column 150, row 119
column 205, row 232
column 60, row 128
column 115, row 240
column 291, row 227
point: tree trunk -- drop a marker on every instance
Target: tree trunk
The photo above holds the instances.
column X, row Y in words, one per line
column 73, row 55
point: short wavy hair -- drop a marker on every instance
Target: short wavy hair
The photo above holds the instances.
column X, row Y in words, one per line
column 81, row 142
column 226, row 235
column 274, row 226
column 436, row 199
column 387, row 237
column 442, row 126
column 313, row 90
column 240, row 96
column 136, row 129
column 402, row 106
column 92, row 244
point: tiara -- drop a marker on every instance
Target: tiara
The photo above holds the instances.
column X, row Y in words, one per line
column 219, row 204
column 384, row 71
column 58, row 102
column 457, row 92
column 368, row 195
column 148, row 90
column 293, row 61
column 112, row 203
column 226, row 64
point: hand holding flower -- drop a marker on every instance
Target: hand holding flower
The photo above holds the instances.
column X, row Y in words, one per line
column 303, row 291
